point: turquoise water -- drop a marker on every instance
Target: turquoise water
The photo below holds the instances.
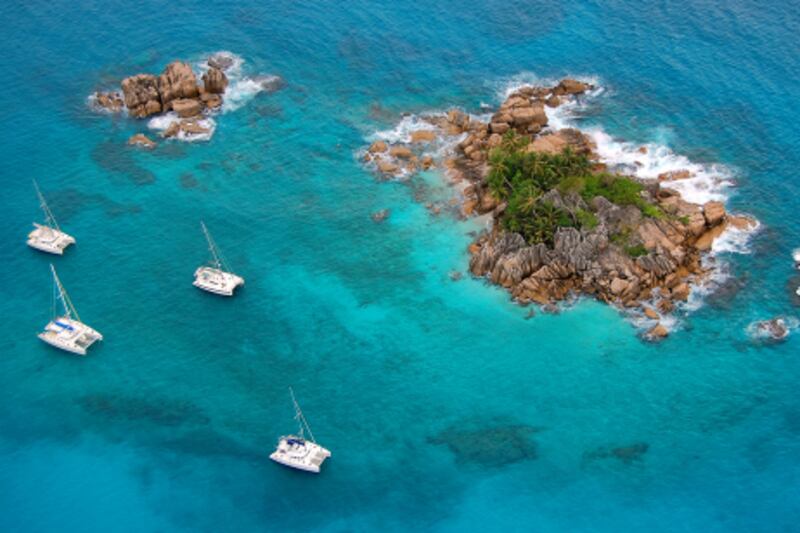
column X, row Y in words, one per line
column 445, row 409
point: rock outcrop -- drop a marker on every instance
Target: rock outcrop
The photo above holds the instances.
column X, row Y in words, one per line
column 142, row 140
column 142, row 97
column 187, row 127
column 215, row 81
column 110, row 101
column 177, row 82
column 175, row 89
column 186, row 107
column 772, row 330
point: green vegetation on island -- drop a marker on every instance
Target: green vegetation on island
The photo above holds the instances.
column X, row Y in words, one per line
column 522, row 179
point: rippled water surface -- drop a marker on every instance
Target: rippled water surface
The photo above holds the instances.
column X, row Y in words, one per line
column 444, row 407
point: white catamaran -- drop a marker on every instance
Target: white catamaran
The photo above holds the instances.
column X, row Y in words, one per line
column 48, row 237
column 216, row 277
column 298, row 452
column 67, row 332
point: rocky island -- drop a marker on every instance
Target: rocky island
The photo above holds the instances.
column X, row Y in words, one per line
column 180, row 105
column 562, row 222
column 175, row 89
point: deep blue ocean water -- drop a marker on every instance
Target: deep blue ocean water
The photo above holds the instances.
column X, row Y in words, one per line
column 445, row 409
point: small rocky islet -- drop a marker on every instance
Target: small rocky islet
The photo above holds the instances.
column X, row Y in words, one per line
column 562, row 222
column 176, row 90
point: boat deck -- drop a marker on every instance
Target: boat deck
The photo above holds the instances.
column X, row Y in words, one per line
column 301, row 454
column 216, row 281
column 50, row 240
column 69, row 335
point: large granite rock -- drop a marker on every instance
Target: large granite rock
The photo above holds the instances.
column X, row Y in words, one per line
column 141, row 95
column 186, row 107
column 177, row 82
column 215, row 81
column 570, row 86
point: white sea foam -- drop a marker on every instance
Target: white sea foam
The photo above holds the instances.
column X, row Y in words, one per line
column 508, row 86
column 734, row 240
column 401, row 133
column 648, row 160
column 160, row 124
column 442, row 147
column 241, row 88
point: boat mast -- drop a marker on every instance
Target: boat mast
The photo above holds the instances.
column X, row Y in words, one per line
column 62, row 295
column 48, row 215
column 301, row 420
column 212, row 247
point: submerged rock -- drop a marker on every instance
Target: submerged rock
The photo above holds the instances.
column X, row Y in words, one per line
column 110, row 101
column 380, row 216
column 142, row 140
column 774, row 329
column 493, row 446
column 271, row 83
column 221, row 60
column 626, row 454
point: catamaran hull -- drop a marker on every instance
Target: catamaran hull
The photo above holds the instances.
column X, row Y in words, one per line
column 213, row 290
column 46, row 249
column 50, row 249
column 55, row 246
column 66, row 347
column 77, row 344
column 310, row 461
column 232, row 281
column 304, row 468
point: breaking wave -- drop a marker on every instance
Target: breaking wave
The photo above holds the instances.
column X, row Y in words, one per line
column 241, row 87
column 160, row 124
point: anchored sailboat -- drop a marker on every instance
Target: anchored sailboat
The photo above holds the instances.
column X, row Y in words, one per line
column 296, row 451
column 67, row 332
column 216, row 277
column 48, row 237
